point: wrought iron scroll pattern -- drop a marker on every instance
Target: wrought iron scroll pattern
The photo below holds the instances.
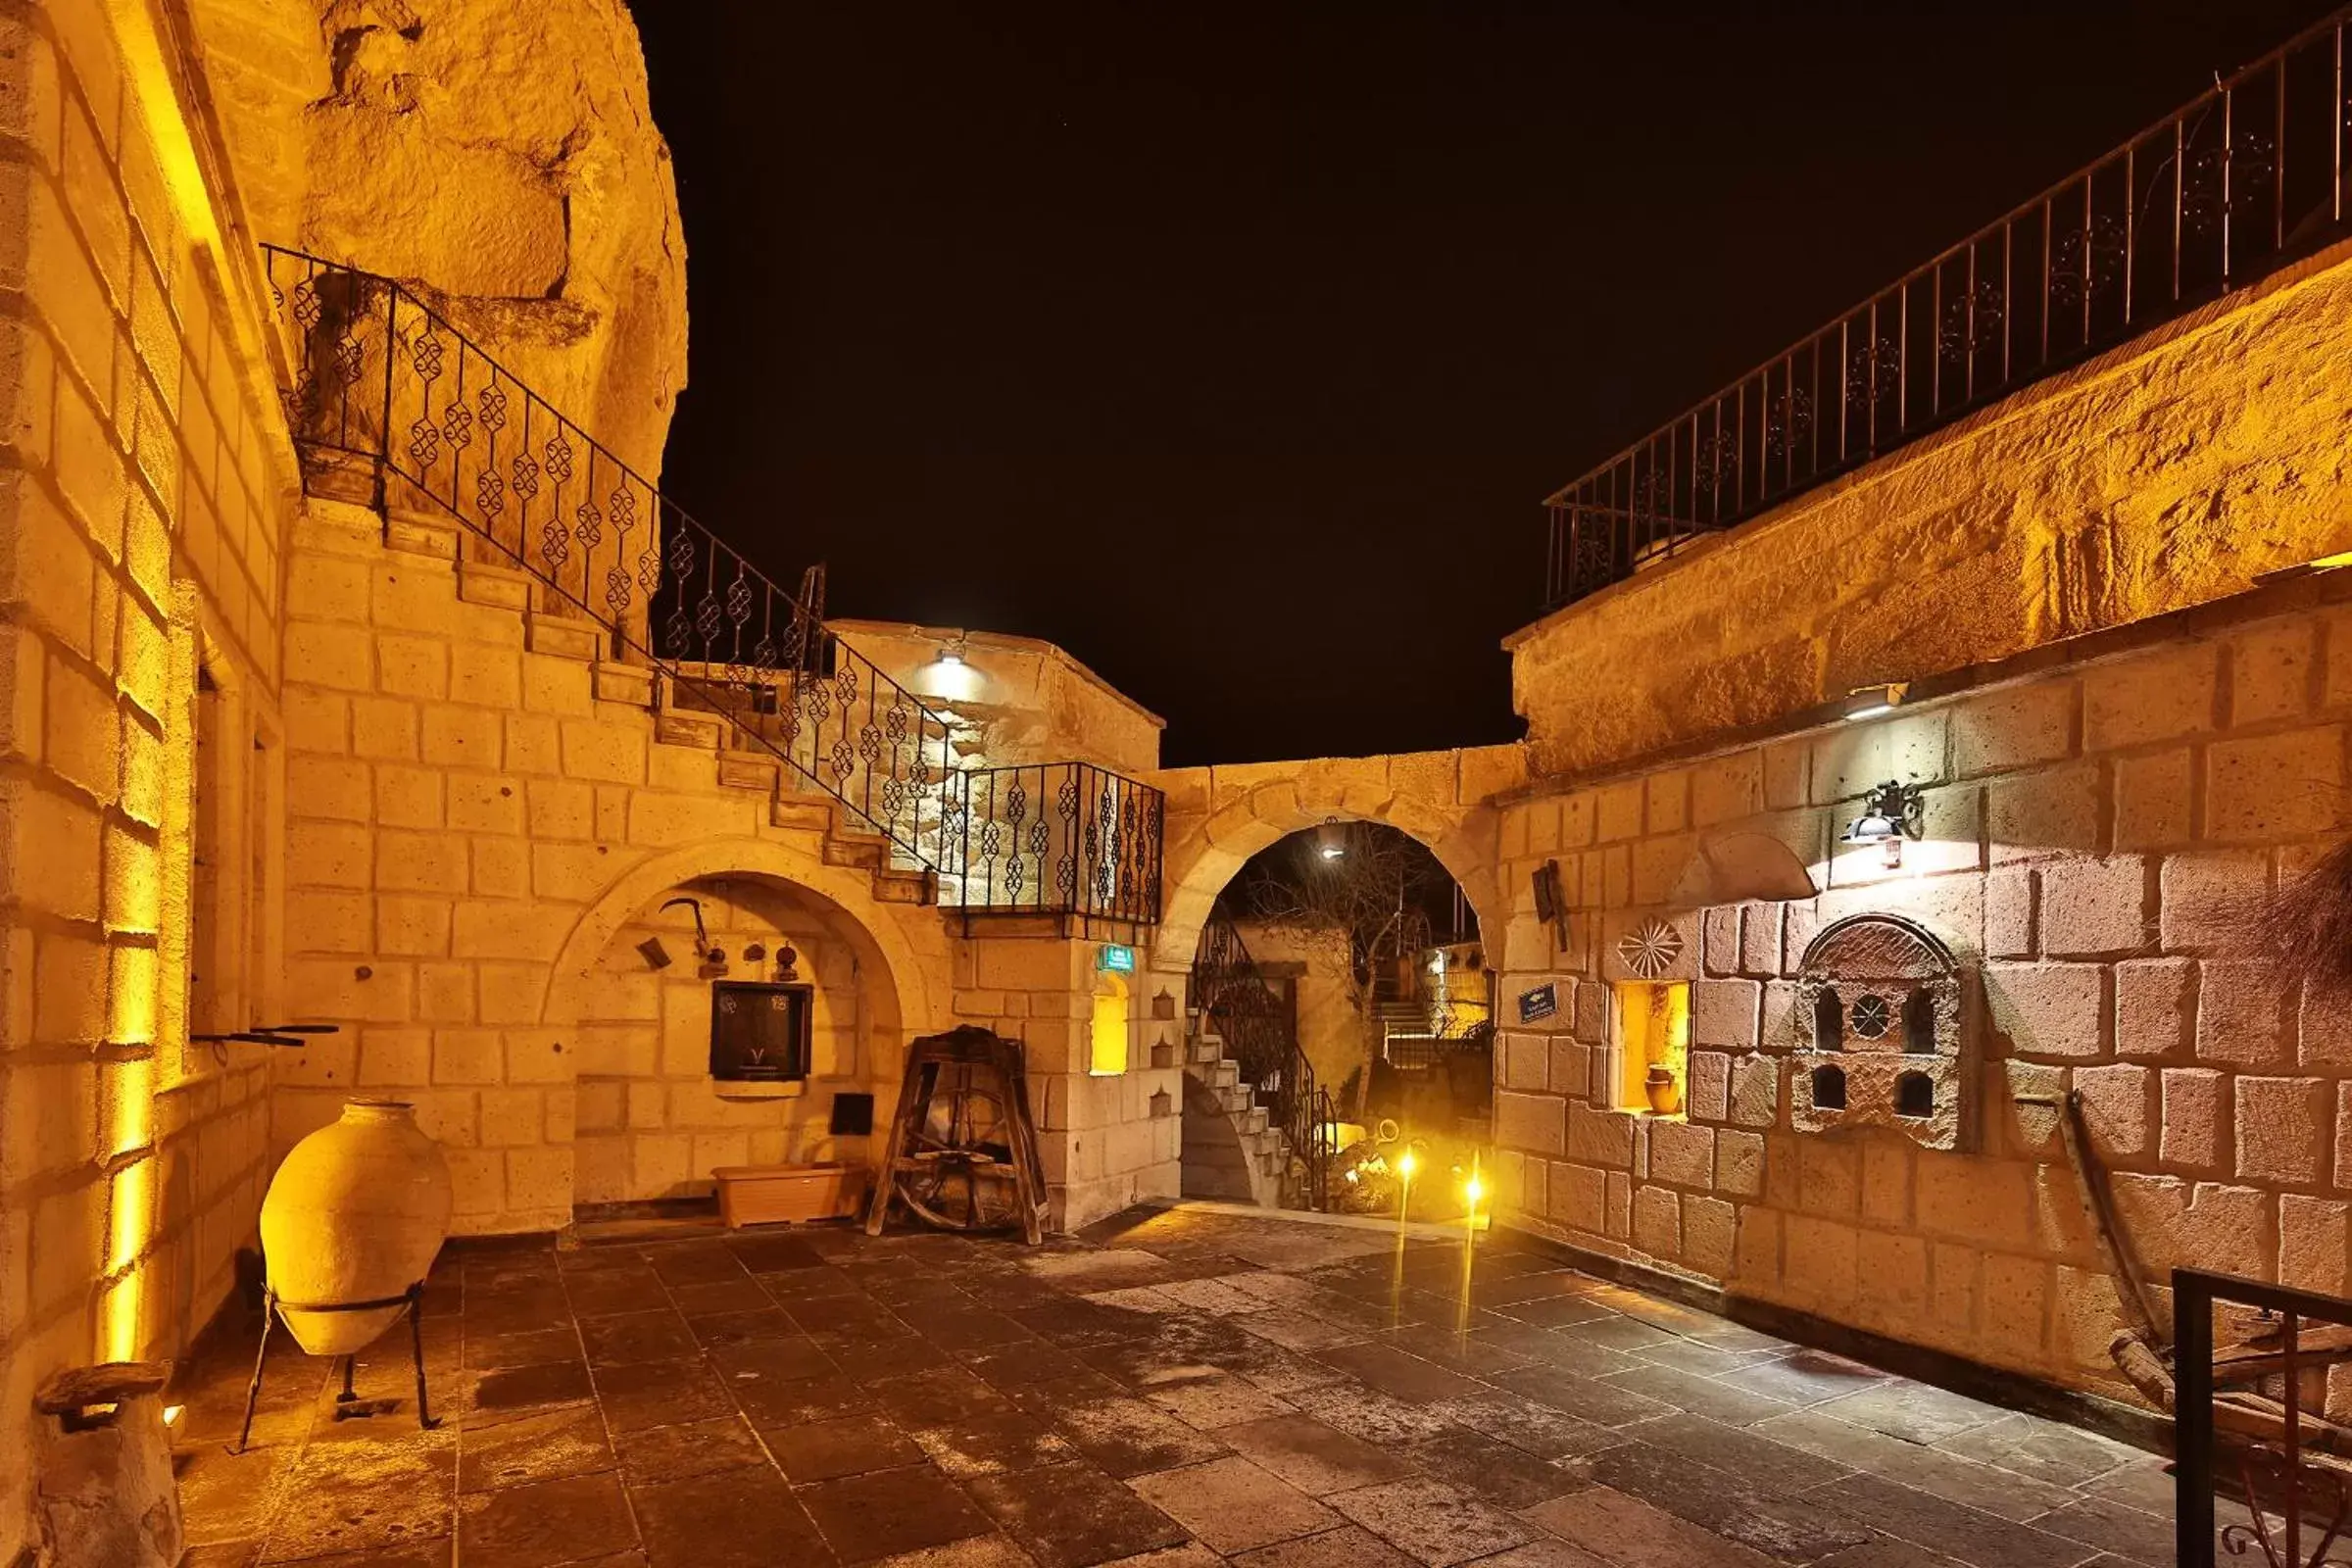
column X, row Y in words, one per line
column 1261, row 1038
column 2291, row 1494
column 1065, row 839
column 377, row 376
column 2241, row 180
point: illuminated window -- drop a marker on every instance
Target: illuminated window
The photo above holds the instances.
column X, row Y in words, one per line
column 1654, row 1030
column 1110, row 1054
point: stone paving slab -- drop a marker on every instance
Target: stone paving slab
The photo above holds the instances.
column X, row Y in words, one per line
column 1176, row 1389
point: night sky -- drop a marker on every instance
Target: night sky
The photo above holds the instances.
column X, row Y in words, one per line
column 1233, row 347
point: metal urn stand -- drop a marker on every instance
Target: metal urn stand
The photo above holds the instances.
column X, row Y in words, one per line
column 348, row 1405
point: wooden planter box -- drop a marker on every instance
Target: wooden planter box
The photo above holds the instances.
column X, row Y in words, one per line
column 772, row 1195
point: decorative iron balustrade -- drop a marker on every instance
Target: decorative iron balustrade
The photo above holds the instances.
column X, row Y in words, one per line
column 2244, row 179
column 2251, row 1423
column 1064, row 839
column 381, row 381
column 1259, row 1028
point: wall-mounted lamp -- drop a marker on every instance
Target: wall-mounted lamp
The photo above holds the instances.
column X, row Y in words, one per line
column 1873, row 702
column 1331, row 839
column 1890, row 813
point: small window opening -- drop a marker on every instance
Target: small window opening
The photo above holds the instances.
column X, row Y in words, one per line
column 1915, row 1095
column 1919, row 1023
column 1653, row 1032
column 1108, row 1052
column 1829, row 1088
column 1829, row 1020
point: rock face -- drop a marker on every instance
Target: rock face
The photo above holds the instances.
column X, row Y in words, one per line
column 502, row 157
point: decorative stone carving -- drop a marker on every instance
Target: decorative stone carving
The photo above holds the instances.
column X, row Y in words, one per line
column 1651, row 950
column 1881, row 1031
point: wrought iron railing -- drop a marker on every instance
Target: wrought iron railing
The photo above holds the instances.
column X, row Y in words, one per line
column 2252, row 1423
column 1063, row 839
column 2244, row 179
column 381, row 381
column 1261, row 1038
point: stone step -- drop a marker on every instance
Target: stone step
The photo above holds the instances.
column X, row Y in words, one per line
column 503, row 587
column 905, row 887
column 1223, row 1074
column 741, row 770
column 677, row 726
column 858, row 850
column 562, row 636
column 618, row 682
column 810, row 811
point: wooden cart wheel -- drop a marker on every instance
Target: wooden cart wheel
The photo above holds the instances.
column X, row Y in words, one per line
column 961, row 1190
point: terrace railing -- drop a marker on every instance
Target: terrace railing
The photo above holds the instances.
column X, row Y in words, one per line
column 1064, row 839
column 382, row 383
column 2242, row 180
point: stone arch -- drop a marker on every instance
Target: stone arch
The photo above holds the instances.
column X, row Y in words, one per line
column 1200, row 862
column 915, row 954
column 898, row 967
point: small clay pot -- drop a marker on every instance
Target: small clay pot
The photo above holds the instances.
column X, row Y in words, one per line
column 1660, row 1088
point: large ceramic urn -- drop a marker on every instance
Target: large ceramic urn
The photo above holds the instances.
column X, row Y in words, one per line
column 355, row 1214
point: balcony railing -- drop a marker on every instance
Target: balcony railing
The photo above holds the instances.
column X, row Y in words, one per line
column 1063, row 839
column 2247, row 176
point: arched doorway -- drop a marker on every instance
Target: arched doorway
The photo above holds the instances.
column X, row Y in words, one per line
column 1240, row 1129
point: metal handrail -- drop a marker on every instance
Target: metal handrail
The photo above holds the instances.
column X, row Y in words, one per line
column 2257, row 1426
column 2203, row 202
column 1065, row 839
column 1261, row 1038
column 382, row 379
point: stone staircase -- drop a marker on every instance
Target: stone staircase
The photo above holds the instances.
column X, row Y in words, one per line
column 793, row 805
column 1231, row 1152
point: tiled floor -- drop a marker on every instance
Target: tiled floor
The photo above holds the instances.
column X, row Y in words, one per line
column 1181, row 1389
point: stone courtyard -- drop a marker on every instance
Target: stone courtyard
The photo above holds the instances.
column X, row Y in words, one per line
column 1176, row 1387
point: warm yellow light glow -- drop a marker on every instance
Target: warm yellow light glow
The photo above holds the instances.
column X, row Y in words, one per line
column 118, row 1320
column 1654, row 1030
column 156, row 95
column 1107, row 1054
column 129, row 1214
column 1474, row 1190
column 172, row 1413
column 1405, row 1165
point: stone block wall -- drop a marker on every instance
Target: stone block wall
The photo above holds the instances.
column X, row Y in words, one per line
column 477, row 808
column 2094, row 835
column 142, row 470
column 2170, row 473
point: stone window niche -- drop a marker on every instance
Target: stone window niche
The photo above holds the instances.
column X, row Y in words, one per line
column 1107, row 1054
column 1654, row 1030
column 1881, row 1034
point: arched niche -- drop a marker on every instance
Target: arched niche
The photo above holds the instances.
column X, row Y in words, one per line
column 1884, row 1000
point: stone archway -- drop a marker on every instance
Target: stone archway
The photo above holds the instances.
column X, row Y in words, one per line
column 647, row 1122
column 1219, row 818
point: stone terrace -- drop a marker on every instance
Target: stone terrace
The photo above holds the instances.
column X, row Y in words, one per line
column 1180, row 1389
